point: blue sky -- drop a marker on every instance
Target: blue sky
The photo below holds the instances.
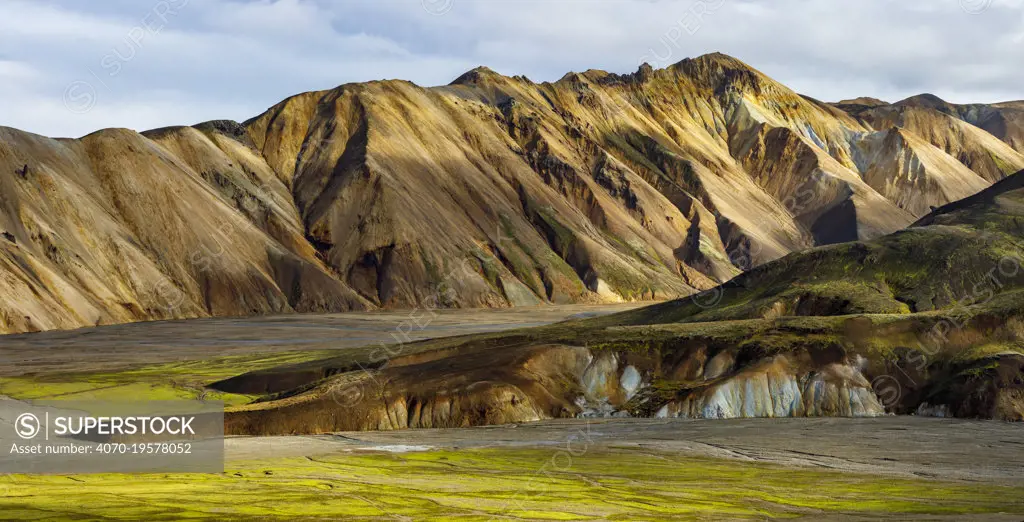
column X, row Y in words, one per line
column 70, row 67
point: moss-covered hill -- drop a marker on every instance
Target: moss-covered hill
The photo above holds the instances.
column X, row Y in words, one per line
column 965, row 253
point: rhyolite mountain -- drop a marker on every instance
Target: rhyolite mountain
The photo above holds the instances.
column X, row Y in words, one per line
column 491, row 191
column 927, row 320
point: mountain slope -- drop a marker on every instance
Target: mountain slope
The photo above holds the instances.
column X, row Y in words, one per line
column 964, row 253
column 928, row 320
column 104, row 229
column 1003, row 120
column 977, row 149
column 490, row 191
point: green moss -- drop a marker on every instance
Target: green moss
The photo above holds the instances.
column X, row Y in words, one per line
column 625, row 281
column 185, row 380
column 434, row 272
column 1002, row 164
column 553, row 484
column 489, row 268
column 980, row 372
column 525, row 261
column 561, row 236
column 990, row 349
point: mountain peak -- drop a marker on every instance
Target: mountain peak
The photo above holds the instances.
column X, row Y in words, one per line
column 716, row 58
column 866, row 101
column 716, row 70
column 924, row 100
column 476, row 76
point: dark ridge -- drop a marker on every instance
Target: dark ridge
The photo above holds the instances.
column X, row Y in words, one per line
column 985, row 197
column 927, row 100
column 229, row 128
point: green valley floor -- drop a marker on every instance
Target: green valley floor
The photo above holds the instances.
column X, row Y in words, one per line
column 575, row 470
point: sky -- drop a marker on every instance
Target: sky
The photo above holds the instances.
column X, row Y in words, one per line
column 68, row 67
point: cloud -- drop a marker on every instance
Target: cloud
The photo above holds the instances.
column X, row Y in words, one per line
column 11, row 71
column 210, row 59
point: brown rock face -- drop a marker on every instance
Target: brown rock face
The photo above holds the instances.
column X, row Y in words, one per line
column 479, row 386
column 492, row 191
column 119, row 227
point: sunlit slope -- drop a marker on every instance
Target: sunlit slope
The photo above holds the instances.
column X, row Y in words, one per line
column 491, row 191
column 961, row 254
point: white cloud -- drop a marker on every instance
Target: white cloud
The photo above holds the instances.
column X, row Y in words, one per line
column 233, row 58
column 11, row 71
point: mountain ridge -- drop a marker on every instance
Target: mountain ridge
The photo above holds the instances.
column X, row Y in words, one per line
column 489, row 191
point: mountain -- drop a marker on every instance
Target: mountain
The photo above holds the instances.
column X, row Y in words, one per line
column 1002, row 120
column 927, row 320
column 963, row 137
column 961, row 254
column 866, row 101
column 491, row 191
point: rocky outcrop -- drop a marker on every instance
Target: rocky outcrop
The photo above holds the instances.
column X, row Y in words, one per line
column 534, row 382
column 439, row 390
column 861, row 366
column 990, row 387
column 775, row 388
